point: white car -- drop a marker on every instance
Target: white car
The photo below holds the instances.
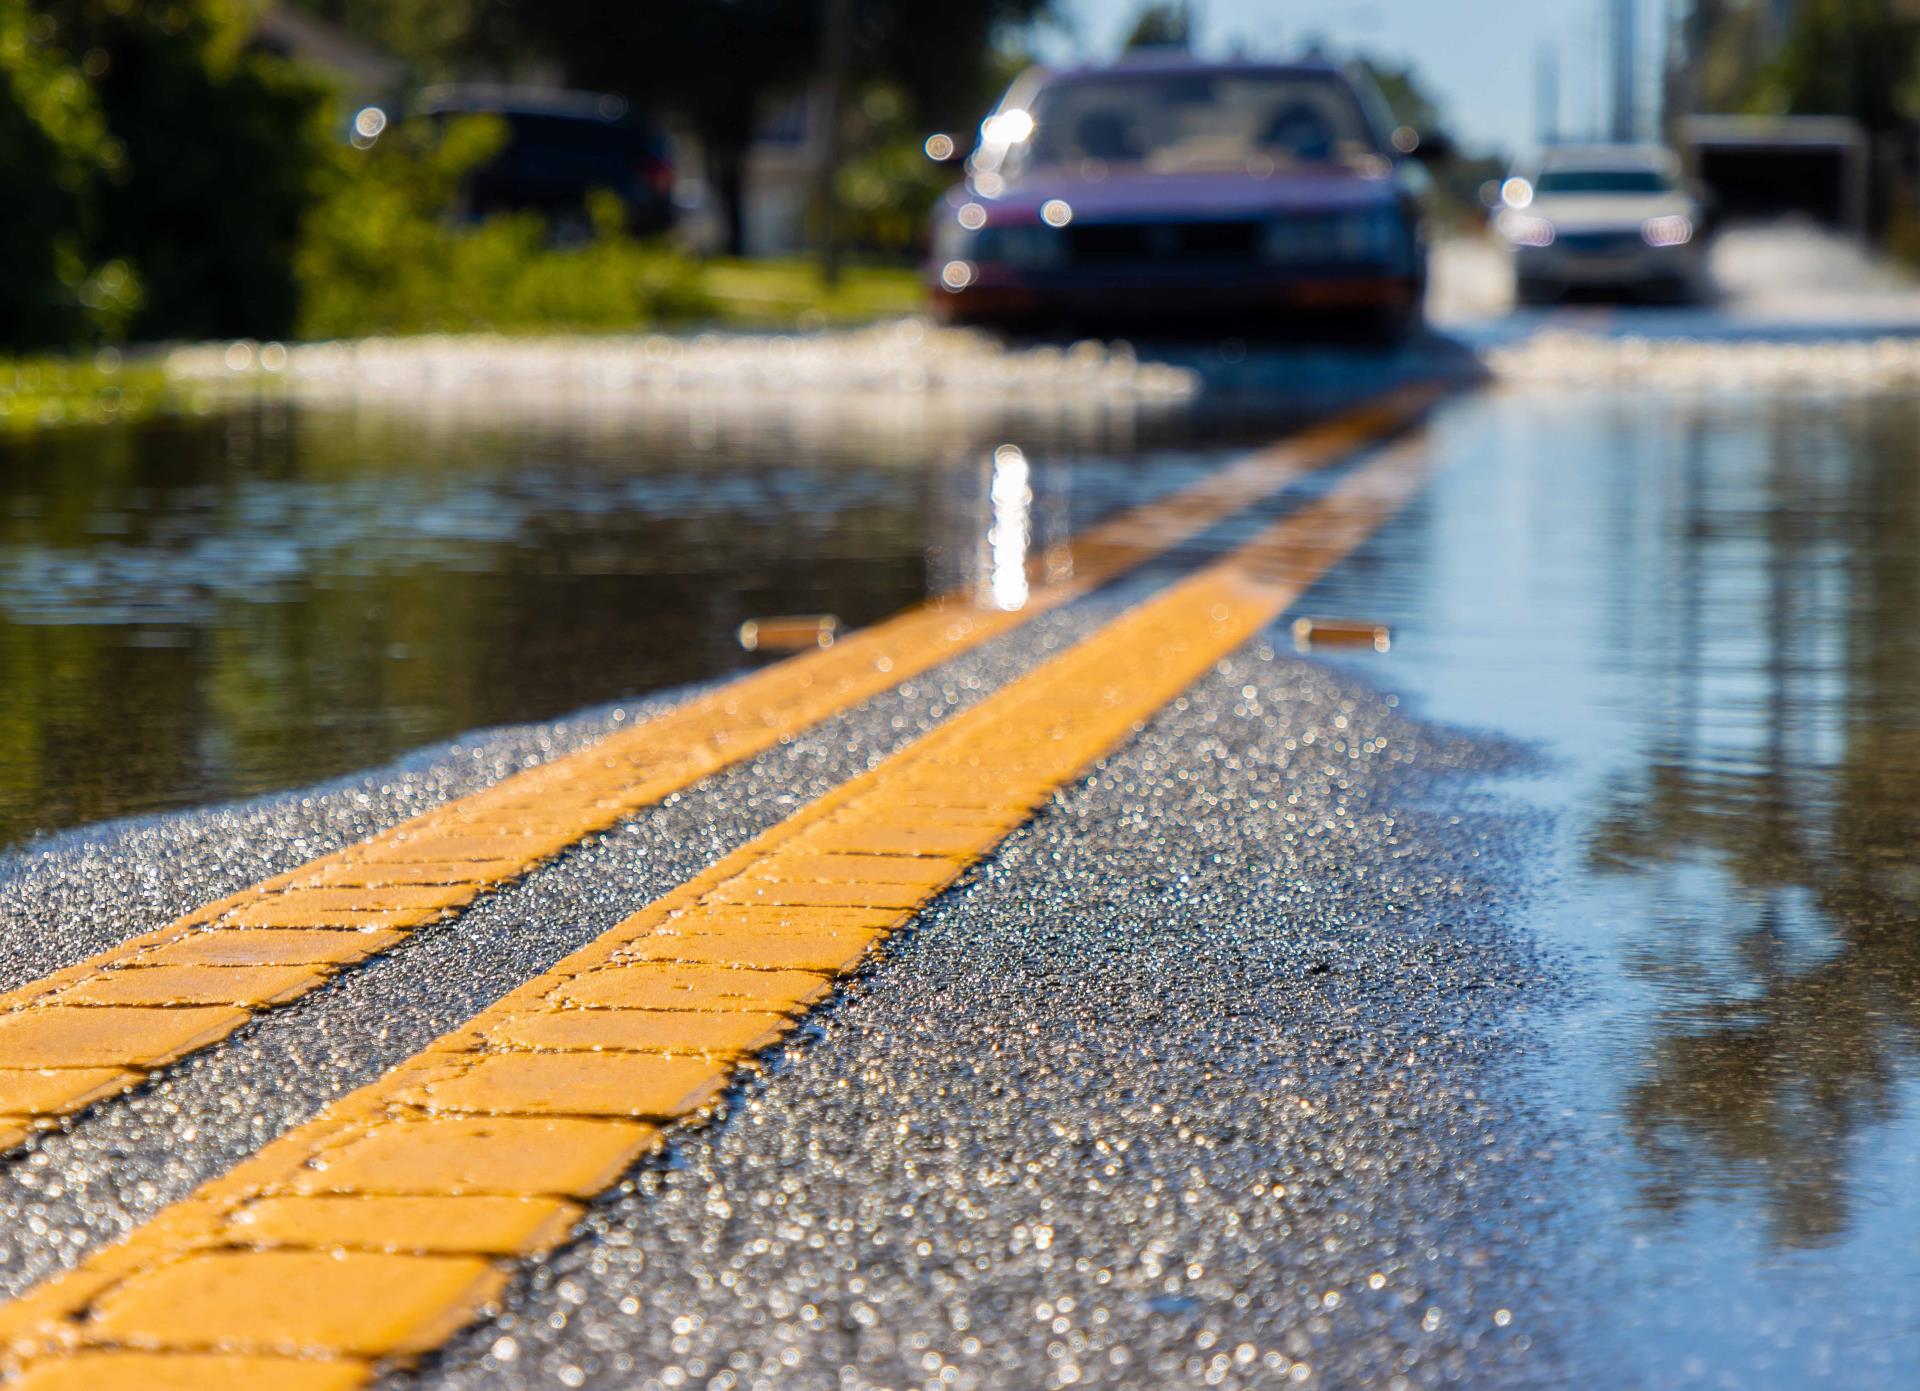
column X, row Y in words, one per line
column 1603, row 217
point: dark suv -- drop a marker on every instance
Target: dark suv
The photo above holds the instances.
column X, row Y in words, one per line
column 1258, row 192
column 560, row 147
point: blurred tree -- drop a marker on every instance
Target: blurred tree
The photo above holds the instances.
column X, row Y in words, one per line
column 440, row 39
column 888, row 186
column 715, row 63
column 1410, row 103
column 1457, row 178
column 1163, row 24
column 1859, row 58
column 221, row 150
column 55, row 154
column 721, row 64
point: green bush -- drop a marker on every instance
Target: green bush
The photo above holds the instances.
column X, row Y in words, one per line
column 156, row 171
column 55, row 153
column 39, row 392
column 383, row 253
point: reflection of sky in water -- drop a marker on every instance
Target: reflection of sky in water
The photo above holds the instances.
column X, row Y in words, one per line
column 1701, row 610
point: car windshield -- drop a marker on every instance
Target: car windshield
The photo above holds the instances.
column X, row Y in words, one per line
column 1203, row 120
column 1602, row 181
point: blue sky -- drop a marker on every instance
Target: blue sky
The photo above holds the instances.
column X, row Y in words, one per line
column 1477, row 56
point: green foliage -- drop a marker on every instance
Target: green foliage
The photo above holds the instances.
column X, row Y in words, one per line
column 222, row 149
column 1163, row 24
column 383, row 255
column 156, row 172
column 165, row 180
column 431, row 35
column 1859, row 58
column 39, row 392
column 55, row 151
column 722, row 67
column 788, row 293
column 887, row 190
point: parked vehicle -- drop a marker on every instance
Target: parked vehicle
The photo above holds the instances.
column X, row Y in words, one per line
column 1617, row 218
column 1265, row 194
column 560, row 147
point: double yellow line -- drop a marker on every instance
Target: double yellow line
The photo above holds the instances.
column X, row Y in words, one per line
column 101, row 1026
column 375, row 1231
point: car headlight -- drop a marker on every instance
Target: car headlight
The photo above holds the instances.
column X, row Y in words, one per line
column 1671, row 230
column 1523, row 229
column 1023, row 248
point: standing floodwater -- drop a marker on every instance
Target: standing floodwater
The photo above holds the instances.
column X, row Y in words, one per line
column 198, row 608
column 1701, row 606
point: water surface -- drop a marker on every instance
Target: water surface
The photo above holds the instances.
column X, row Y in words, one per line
column 1700, row 608
column 202, row 607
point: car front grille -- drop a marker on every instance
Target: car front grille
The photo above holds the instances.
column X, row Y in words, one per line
column 1602, row 243
column 1114, row 243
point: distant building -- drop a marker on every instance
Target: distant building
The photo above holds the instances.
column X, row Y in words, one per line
column 1761, row 167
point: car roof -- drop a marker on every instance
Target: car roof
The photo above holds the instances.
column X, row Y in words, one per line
column 1157, row 61
column 505, row 100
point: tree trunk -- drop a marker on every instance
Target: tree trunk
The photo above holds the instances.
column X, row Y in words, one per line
column 835, row 43
column 727, row 172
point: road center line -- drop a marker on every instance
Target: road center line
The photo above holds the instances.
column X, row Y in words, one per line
column 371, row 1234
column 99, row 1027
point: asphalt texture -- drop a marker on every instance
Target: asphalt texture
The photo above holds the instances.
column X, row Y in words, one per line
column 1196, row 1083
column 1197, row 1080
column 1306, row 1042
column 119, row 1163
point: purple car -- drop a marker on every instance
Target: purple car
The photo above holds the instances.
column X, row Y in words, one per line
column 1255, row 193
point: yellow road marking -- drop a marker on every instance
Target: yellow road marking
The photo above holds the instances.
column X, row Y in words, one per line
column 185, row 986
column 548, row 1095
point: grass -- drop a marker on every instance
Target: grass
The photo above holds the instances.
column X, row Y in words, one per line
column 45, row 391
column 788, row 293
column 36, row 392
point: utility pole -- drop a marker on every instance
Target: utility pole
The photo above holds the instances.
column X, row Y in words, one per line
column 1546, row 93
column 836, row 51
column 1626, row 70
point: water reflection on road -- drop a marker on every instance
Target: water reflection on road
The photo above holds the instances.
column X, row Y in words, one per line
column 1697, row 603
column 199, row 608
column 1702, row 608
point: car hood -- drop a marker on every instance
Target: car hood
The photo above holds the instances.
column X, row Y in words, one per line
column 1608, row 211
column 1192, row 197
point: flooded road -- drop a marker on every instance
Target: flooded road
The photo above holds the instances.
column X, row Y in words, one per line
column 195, row 609
column 1699, row 609
column 1564, row 959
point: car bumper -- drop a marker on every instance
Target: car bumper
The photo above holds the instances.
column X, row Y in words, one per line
column 1647, row 265
column 997, row 294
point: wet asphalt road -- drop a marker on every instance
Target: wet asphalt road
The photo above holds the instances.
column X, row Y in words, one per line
column 1195, row 1084
column 1530, row 1005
